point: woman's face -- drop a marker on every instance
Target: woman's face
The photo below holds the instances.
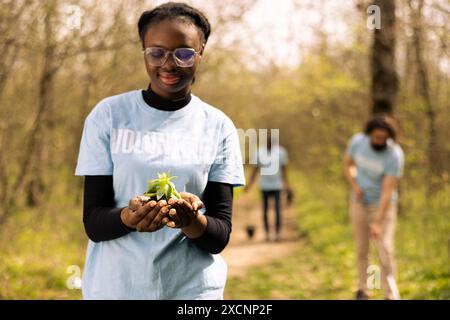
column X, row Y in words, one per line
column 169, row 80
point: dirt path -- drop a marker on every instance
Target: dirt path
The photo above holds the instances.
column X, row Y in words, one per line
column 242, row 252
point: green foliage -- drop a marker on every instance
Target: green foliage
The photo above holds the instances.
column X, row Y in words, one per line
column 162, row 187
column 38, row 246
column 324, row 267
column 317, row 105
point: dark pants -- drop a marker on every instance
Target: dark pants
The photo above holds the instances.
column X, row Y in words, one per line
column 276, row 195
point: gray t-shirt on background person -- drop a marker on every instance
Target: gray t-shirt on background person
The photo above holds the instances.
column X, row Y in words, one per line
column 276, row 158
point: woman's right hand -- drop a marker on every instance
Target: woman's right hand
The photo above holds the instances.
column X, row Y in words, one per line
column 147, row 217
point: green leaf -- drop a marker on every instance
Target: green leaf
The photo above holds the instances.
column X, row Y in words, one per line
column 159, row 194
column 162, row 187
column 166, row 190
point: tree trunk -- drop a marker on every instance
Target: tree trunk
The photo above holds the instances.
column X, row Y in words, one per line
column 424, row 91
column 384, row 76
column 10, row 43
column 39, row 157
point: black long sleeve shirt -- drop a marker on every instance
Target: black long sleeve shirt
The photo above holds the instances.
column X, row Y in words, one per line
column 101, row 217
column 102, row 220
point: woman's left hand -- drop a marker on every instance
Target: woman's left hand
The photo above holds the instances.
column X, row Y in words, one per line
column 186, row 210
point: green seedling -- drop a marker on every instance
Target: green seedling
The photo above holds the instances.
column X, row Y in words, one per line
column 161, row 188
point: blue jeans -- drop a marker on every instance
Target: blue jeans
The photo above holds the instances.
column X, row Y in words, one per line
column 276, row 195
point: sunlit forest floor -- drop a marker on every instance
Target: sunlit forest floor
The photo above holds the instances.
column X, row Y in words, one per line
column 322, row 266
column 39, row 245
column 244, row 252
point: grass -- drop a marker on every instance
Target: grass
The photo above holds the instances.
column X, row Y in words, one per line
column 324, row 265
column 38, row 245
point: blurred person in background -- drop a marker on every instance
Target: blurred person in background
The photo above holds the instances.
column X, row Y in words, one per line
column 271, row 185
column 373, row 165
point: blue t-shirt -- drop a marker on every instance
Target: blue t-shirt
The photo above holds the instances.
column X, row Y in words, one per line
column 372, row 166
column 273, row 161
column 126, row 138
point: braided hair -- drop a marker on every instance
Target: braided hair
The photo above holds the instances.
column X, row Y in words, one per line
column 172, row 10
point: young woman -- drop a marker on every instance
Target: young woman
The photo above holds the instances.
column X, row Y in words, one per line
column 150, row 250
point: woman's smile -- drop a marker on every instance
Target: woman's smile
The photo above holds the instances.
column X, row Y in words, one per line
column 169, row 78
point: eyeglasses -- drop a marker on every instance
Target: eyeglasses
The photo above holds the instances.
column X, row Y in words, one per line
column 183, row 57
